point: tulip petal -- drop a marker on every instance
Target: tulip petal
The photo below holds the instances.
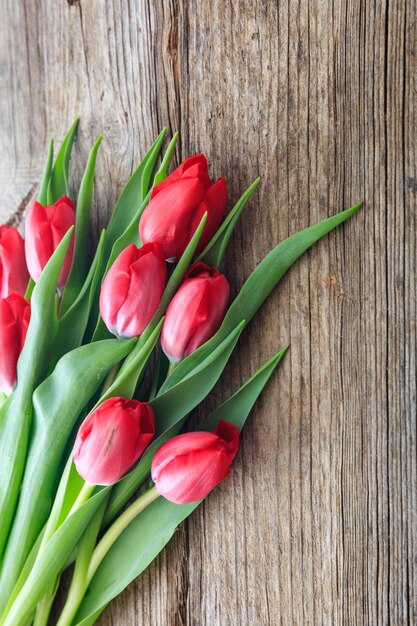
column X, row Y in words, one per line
column 14, row 275
column 191, row 477
column 198, row 159
column 112, row 438
column 14, row 322
column 45, row 228
column 181, row 446
column 216, row 300
column 132, row 290
column 187, row 467
column 166, row 219
column 113, row 292
column 186, row 311
column 214, row 204
column 195, row 312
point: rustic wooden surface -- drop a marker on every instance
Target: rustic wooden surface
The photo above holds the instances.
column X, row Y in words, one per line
column 318, row 524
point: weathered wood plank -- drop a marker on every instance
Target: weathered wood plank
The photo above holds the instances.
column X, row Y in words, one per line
column 319, row 522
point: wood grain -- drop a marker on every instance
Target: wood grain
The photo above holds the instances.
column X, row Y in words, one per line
column 318, row 524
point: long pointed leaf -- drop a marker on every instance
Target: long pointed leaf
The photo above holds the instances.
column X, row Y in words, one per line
column 213, row 253
column 31, row 368
column 72, row 326
column 150, row 531
column 125, row 384
column 79, row 266
column 133, row 194
column 58, row 183
column 51, row 561
column 171, row 409
column 260, row 284
column 57, row 402
column 46, row 177
column 123, row 226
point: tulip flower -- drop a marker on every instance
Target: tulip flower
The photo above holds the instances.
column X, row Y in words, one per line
column 178, row 204
column 132, row 290
column 14, row 275
column 196, row 311
column 14, row 322
column 112, row 438
column 45, row 227
column 187, row 467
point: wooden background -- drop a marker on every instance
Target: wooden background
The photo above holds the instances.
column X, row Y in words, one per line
column 318, row 524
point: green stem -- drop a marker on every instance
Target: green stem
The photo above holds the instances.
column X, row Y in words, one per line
column 30, row 288
column 86, row 491
column 52, row 522
column 79, row 578
column 84, row 572
column 171, row 368
column 44, row 607
column 118, row 527
column 3, row 398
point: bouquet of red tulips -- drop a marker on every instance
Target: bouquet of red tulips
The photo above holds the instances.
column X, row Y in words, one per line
column 101, row 364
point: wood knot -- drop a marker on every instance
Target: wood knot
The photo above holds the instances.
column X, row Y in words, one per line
column 74, row 3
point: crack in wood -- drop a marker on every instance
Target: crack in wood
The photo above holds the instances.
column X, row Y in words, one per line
column 17, row 217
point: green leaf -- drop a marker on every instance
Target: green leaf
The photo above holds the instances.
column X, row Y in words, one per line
column 260, row 284
column 51, row 561
column 237, row 408
column 151, row 530
column 31, row 368
column 174, row 282
column 176, row 402
column 213, row 253
column 172, row 286
column 131, row 233
column 133, row 195
column 43, row 191
column 128, row 378
column 81, row 240
column 162, row 173
column 84, row 553
column 160, row 373
column 3, row 398
column 57, row 402
column 25, row 572
column 171, row 408
column 123, row 228
column 29, row 289
column 58, row 183
column 72, row 326
column 131, row 554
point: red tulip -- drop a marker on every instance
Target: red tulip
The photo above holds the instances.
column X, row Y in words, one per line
column 132, row 290
column 14, row 275
column 14, row 322
column 187, row 467
column 178, row 204
column 112, row 438
column 45, row 227
column 196, row 311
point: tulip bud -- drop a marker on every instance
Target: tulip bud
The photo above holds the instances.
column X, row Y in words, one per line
column 14, row 322
column 196, row 311
column 45, row 227
column 14, row 275
column 187, row 467
column 132, row 290
column 112, row 438
column 178, row 204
